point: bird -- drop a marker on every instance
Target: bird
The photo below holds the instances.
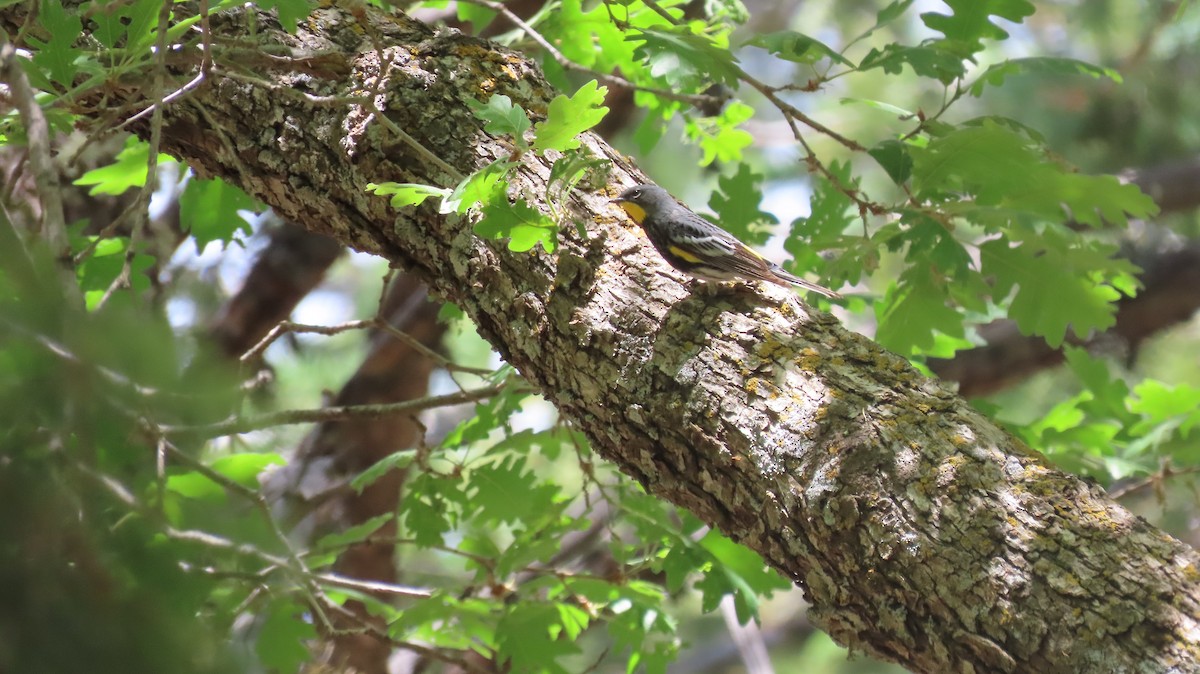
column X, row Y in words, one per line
column 699, row 248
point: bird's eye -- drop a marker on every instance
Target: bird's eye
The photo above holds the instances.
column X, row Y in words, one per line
column 637, row 193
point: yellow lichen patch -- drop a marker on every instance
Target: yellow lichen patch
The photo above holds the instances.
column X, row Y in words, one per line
column 487, row 86
column 1190, row 573
column 762, row 387
column 769, row 348
column 807, row 359
column 959, row 441
column 510, row 71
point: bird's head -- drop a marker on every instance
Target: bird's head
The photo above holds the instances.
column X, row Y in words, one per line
column 642, row 201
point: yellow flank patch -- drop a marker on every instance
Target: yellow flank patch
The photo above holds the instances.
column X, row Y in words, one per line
column 636, row 212
column 681, row 253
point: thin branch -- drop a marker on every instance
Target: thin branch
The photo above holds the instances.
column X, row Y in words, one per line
column 285, row 327
column 337, row 413
column 417, row 346
column 289, row 91
column 698, row 100
column 142, row 202
column 792, row 111
column 1157, row 479
column 348, row 583
column 54, row 227
column 415, row 144
column 379, row 323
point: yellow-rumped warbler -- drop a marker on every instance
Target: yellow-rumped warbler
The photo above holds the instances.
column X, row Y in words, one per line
column 697, row 247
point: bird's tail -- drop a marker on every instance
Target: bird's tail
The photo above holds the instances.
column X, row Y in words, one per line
column 792, row 279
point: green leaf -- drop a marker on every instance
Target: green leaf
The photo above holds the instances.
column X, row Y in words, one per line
column 289, row 11
column 740, row 571
column 683, row 55
column 129, row 170
column 569, row 117
column 209, row 210
column 394, row 461
column 407, row 194
column 971, row 20
column 736, row 204
column 431, row 506
column 503, row 118
column 448, row 622
column 243, row 469
column 488, row 416
column 194, row 485
column 522, row 224
column 833, row 212
column 355, row 534
column 530, row 638
column 133, row 23
column 719, row 137
column 912, row 311
column 1109, row 393
column 281, row 637
column 1003, row 169
column 933, row 60
column 573, row 167
column 99, row 271
column 797, row 47
column 479, row 17
column 1079, row 300
column 481, row 187
column 58, row 55
column 899, row 112
column 507, row 491
column 1042, row 65
column 889, row 14
column 893, row 156
column 1160, row 403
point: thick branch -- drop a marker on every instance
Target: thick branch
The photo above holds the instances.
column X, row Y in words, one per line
column 921, row 532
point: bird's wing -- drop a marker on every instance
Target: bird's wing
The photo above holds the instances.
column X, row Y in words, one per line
column 701, row 235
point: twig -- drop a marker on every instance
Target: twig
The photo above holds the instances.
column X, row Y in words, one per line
column 337, row 413
column 337, row 580
column 142, row 203
column 416, row 145
column 285, row 327
column 792, row 111
column 697, row 100
column 54, row 227
column 288, row 91
column 864, row 206
column 1167, row 471
column 436, row 357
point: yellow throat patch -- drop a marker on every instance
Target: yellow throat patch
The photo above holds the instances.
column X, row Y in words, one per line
column 636, row 212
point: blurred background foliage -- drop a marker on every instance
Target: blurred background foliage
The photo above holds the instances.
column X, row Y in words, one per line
column 117, row 503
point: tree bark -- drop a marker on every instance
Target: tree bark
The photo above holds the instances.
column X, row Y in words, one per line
column 920, row 531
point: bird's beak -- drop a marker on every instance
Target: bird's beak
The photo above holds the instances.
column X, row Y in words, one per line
column 617, row 201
